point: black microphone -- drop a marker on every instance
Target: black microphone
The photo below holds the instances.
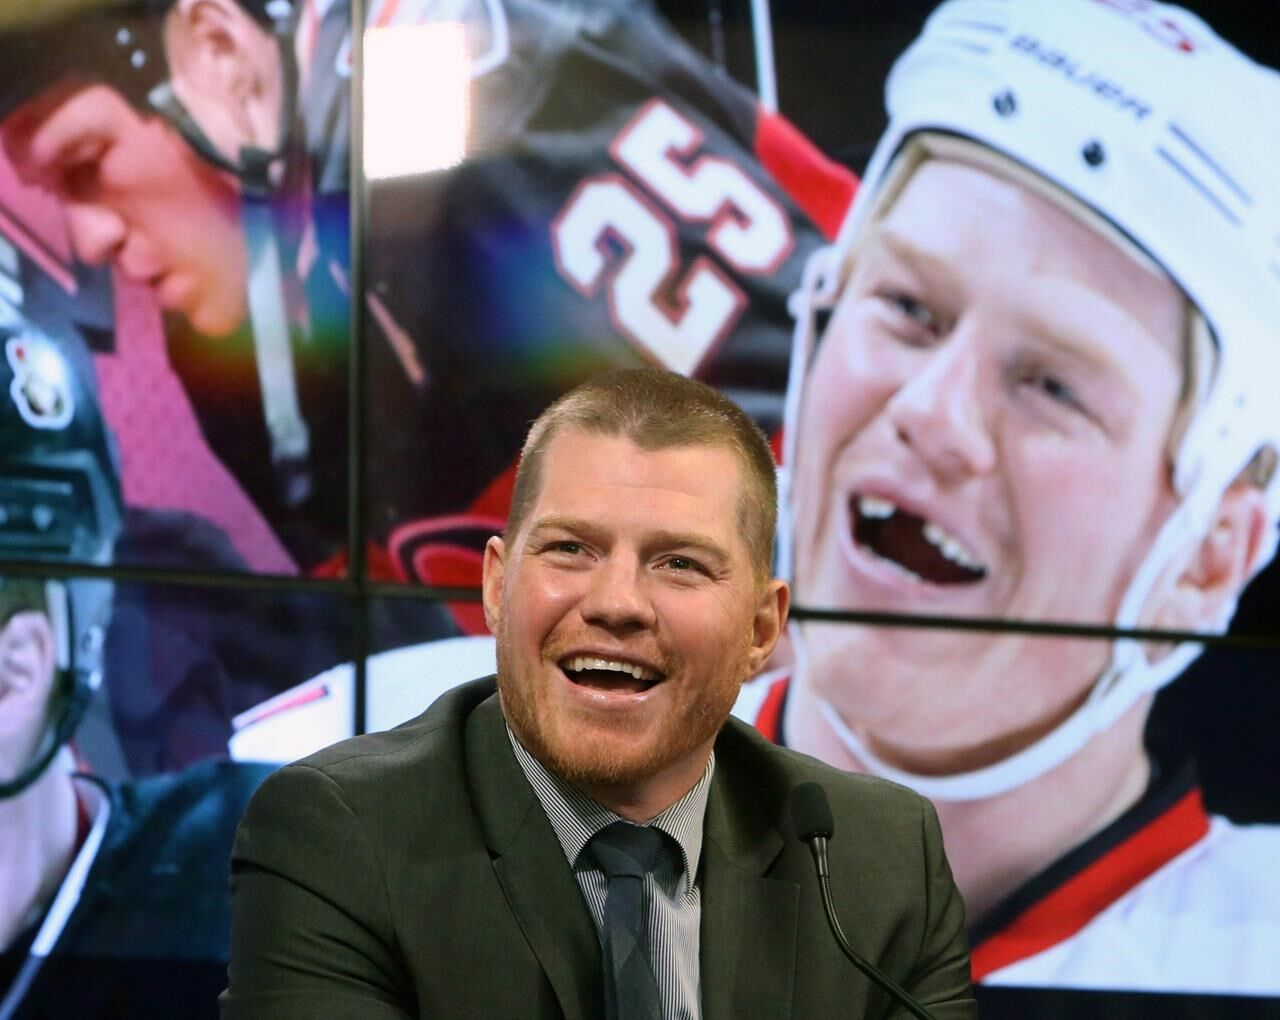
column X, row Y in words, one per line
column 811, row 816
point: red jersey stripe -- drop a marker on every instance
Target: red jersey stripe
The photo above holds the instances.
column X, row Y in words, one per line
column 769, row 719
column 823, row 188
column 1083, row 897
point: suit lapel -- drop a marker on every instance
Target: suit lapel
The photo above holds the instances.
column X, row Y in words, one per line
column 749, row 922
column 530, row 866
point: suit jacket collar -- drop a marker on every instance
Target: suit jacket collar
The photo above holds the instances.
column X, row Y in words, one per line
column 749, row 920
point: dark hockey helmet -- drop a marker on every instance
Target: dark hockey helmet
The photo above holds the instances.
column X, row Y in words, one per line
column 121, row 43
column 60, row 499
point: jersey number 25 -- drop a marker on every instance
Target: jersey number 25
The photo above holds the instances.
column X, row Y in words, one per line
column 618, row 230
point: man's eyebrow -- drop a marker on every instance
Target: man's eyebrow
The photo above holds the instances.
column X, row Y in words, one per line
column 703, row 544
column 76, row 137
column 73, row 148
column 692, row 540
column 1073, row 332
column 564, row 522
column 902, row 248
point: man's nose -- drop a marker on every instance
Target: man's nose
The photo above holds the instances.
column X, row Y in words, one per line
column 97, row 232
column 943, row 413
column 617, row 596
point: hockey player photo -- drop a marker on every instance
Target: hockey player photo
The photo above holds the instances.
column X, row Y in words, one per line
column 114, row 897
column 1025, row 389
column 167, row 135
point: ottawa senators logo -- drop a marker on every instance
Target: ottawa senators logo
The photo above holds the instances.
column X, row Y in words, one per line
column 41, row 386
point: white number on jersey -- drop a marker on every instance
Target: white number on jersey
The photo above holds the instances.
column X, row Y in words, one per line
column 610, row 233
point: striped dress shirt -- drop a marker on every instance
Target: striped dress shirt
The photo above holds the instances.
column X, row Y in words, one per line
column 672, row 893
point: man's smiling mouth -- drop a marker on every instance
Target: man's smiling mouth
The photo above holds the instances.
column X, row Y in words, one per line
column 614, row 675
column 918, row 547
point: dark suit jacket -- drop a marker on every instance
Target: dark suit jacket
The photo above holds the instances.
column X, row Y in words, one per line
column 414, row 873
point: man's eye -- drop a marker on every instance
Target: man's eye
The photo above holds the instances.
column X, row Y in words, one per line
column 1056, row 389
column 1052, row 387
column 904, row 306
column 572, row 548
column 682, row 564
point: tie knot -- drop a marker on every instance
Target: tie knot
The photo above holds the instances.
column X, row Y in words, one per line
column 626, row 850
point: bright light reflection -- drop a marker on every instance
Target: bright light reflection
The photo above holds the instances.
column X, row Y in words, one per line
column 417, row 83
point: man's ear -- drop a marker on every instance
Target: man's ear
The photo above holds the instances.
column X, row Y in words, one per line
column 770, row 620
column 30, row 660
column 211, row 52
column 495, row 551
column 225, row 68
column 1203, row 593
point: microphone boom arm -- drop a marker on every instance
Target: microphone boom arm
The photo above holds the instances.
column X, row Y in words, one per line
column 811, row 815
column 869, row 969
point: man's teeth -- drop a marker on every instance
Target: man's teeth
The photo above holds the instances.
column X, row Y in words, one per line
column 876, row 509
column 580, row 662
column 950, row 547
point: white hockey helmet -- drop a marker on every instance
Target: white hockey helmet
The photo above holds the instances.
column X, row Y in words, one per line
column 1138, row 112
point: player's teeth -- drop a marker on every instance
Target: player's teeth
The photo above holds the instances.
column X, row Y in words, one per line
column 950, row 547
column 580, row 662
column 874, row 507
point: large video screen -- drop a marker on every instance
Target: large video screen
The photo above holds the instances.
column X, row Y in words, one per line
column 998, row 278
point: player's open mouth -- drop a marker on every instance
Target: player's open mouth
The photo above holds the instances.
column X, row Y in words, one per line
column 921, row 549
column 612, row 675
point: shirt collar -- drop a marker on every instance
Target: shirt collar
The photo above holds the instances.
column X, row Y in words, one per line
column 575, row 817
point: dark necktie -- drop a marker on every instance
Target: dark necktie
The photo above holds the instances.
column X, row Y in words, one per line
column 626, row 853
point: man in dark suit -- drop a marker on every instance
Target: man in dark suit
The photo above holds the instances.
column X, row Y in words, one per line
column 454, row 866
